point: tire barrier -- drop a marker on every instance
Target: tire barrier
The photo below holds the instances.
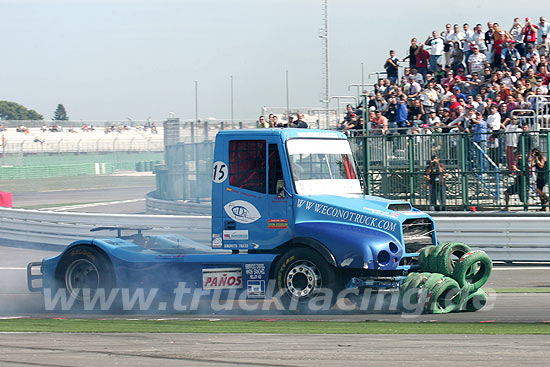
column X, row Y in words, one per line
column 474, row 301
column 473, row 270
column 450, row 279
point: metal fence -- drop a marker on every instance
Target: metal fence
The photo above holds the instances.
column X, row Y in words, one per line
column 477, row 174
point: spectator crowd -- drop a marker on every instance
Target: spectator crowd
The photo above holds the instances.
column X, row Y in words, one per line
column 466, row 79
column 460, row 78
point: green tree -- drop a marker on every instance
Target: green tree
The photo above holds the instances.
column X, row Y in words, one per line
column 14, row 111
column 60, row 114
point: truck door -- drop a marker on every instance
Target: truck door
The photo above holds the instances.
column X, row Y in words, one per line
column 253, row 216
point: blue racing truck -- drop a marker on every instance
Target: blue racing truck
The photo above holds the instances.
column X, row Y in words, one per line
column 288, row 210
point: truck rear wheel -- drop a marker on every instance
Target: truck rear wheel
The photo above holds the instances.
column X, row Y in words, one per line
column 85, row 269
column 305, row 281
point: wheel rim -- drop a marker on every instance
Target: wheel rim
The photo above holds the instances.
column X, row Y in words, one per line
column 81, row 274
column 303, row 279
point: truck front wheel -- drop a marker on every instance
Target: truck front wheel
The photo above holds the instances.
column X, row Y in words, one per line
column 305, row 282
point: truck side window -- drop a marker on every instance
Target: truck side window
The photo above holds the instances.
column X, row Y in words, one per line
column 247, row 164
column 275, row 169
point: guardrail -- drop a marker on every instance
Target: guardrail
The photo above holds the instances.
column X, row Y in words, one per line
column 46, row 227
column 507, row 237
column 504, row 237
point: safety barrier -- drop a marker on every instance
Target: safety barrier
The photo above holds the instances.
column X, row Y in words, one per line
column 507, row 237
column 46, row 227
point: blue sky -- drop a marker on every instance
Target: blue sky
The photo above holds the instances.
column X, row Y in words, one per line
column 113, row 59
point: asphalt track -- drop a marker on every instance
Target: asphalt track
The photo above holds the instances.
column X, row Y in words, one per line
column 43, row 349
column 31, row 349
column 120, row 200
column 16, row 300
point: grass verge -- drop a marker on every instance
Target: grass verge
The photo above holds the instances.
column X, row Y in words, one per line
column 266, row 326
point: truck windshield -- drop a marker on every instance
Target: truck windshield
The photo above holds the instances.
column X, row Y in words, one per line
column 323, row 166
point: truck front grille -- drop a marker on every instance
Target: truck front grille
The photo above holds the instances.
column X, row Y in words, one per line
column 417, row 233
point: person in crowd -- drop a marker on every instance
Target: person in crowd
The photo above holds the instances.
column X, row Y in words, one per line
column 518, row 187
column 493, row 127
column 543, row 47
column 542, row 28
column 532, row 55
column 422, row 57
column 512, row 130
column 439, row 74
column 525, row 141
column 530, row 32
column 379, row 102
column 300, row 123
column 449, row 36
column 540, row 165
column 392, row 67
column 262, row 123
column 402, row 115
column 381, row 122
column 435, row 175
column 516, row 31
column 436, row 44
column 352, row 124
column 416, row 113
column 457, row 57
column 476, row 61
column 411, row 56
column 510, row 57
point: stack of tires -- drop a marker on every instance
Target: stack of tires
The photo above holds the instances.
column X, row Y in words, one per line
column 450, row 278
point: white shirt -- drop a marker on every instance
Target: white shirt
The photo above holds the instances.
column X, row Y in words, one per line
column 436, row 46
column 511, row 140
column 477, row 62
column 469, row 34
column 516, row 33
column 479, row 40
column 542, row 30
column 493, row 122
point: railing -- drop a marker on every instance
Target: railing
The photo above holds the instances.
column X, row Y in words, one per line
column 45, row 227
column 512, row 237
column 395, row 167
column 540, row 104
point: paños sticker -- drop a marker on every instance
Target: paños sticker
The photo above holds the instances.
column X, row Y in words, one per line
column 222, row 278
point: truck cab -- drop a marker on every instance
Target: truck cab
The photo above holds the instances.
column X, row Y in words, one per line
column 275, row 190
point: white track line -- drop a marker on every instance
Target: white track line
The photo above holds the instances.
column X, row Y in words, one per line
column 7, row 268
column 90, row 205
column 522, row 268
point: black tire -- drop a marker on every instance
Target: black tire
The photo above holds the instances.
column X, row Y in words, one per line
column 443, row 297
column 473, row 270
column 424, row 256
column 303, row 277
column 85, row 267
column 449, row 255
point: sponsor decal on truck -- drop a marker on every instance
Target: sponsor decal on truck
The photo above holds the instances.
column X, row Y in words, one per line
column 242, row 211
column 226, row 278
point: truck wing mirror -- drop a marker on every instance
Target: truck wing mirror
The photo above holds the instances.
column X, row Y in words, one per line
column 280, row 188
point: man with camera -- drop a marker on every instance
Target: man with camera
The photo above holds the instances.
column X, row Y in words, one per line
column 540, row 165
column 435, row 174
